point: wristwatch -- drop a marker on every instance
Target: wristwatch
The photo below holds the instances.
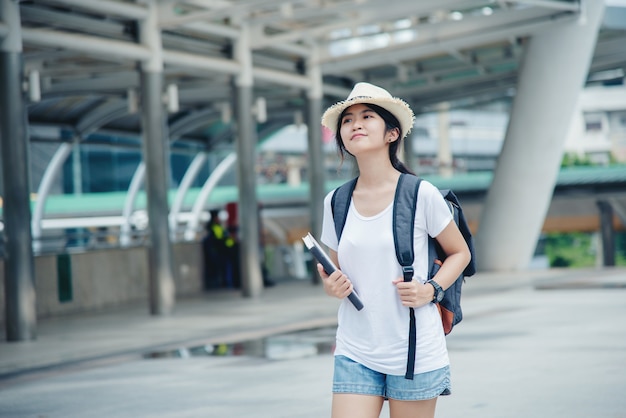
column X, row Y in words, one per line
column 438, row 296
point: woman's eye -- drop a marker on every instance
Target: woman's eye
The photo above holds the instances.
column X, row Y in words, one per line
column 346, row 120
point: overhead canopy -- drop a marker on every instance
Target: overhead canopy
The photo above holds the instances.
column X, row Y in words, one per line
column 85, row 53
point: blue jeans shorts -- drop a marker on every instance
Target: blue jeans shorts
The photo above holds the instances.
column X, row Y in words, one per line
column 353, row 377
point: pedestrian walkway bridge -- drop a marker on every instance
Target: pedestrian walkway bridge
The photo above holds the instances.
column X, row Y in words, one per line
column 99, row 218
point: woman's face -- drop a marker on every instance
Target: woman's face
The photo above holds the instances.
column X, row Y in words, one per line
column 363, row 129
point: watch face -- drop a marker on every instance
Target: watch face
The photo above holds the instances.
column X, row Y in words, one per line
column 438, row 297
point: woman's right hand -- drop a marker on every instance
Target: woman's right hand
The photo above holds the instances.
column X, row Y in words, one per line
column 337, row 284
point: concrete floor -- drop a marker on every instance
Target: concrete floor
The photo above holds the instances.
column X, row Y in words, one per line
column 546, row 344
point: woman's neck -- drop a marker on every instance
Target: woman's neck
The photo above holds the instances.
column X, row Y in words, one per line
column 376, row 172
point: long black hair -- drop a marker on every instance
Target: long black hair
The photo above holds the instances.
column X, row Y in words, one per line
column 391, row 122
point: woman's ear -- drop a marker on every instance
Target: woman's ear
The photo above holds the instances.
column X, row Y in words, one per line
column 393, row 135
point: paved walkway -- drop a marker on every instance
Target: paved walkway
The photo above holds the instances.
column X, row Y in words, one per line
column 541, row 344
column 223, row 316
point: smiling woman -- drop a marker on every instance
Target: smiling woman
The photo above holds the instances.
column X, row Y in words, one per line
column 374, row 359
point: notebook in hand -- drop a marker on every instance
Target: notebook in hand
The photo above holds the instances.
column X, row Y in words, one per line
column 329, row 267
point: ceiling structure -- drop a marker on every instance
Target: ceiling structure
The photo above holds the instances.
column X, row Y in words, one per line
column 85, row 54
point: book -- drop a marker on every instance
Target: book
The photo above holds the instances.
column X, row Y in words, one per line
column 329, row 267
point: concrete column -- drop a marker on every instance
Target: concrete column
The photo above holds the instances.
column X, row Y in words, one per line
column 250, row 260
column 317, row 172
column 156, row 158
column 19, row 277
column 408, row 153
column 444, row 150
column 77, row 168
column 553, row 71
column 316, row 169
column 607, row 237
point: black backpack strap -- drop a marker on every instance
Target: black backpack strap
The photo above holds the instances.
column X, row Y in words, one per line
column 404, row 207
column 404, row 222
column 340, row 203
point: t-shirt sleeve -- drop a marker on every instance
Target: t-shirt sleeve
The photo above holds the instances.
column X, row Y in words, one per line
column 329, row 236
column 436, row 211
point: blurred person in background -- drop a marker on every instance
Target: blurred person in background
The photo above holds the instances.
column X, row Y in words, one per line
column 220, row 255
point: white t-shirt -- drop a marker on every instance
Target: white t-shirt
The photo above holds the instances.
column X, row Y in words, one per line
column 377, row 336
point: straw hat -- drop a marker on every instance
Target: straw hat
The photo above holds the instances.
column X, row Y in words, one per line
column 369, row 93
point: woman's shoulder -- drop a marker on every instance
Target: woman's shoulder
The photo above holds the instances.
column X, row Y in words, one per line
column 329, row 195
column 428, row 189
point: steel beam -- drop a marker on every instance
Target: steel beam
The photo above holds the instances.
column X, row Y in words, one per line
column 281, row 77
column 106, row 7
column 193, row 226
column 185, row 184
column 52, row 169
column 121, row 50
column 375, row 12
column 573, row 6
column 91, row 45
column 188, row 60
column 434, row 38
column 129, row 204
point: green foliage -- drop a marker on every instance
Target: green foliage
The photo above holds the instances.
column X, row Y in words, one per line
column 620, row 249
column 570, row 250
column 574, row 160
column 579, row 249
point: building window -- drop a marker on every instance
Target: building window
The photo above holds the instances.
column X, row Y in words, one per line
column 593, row 123
column 593, row 126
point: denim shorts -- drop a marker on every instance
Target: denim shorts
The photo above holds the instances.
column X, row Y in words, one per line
column 353, row 377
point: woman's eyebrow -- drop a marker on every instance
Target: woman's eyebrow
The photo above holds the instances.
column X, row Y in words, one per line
column 361, row 112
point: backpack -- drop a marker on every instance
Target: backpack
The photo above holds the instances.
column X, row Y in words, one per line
column 405, row 203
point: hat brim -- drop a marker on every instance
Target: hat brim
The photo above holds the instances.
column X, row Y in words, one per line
column 398, row 107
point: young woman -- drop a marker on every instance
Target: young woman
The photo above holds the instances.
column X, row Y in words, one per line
column 371, row 346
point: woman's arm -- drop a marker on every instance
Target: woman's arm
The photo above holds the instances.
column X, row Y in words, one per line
column 457, row 255
column 415, row 293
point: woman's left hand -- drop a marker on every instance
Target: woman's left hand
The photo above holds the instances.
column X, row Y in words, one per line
column 414, row 293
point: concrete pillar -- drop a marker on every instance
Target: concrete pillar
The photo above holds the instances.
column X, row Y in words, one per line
column 250, row 260
column 19, row 277
column 316, row 167
column 607, row 236
column 317, row 171
column 444, row 150
column 77, row 168
column 409, row 157
column 156, row 158
column 552, row 73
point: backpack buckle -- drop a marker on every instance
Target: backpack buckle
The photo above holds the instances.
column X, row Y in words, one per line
column 407, row 272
